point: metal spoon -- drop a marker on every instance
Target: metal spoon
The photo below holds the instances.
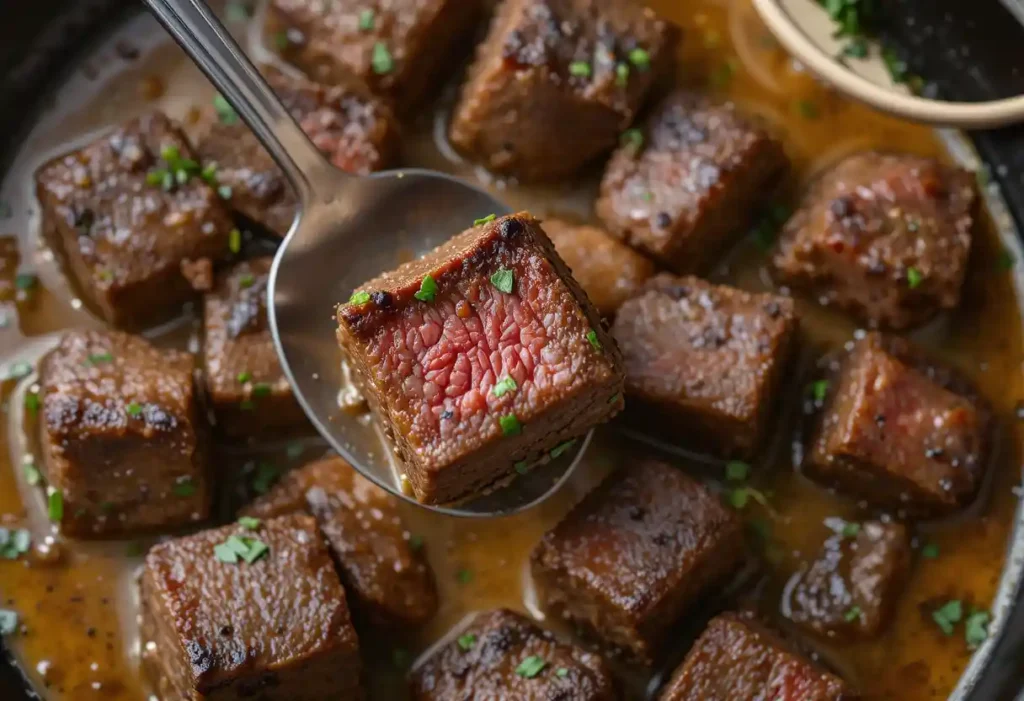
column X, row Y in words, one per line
column 349, row 229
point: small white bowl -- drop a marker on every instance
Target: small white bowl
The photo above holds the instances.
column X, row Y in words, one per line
column 806, row 30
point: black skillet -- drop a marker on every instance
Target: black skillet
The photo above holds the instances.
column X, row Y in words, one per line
column 41, row 40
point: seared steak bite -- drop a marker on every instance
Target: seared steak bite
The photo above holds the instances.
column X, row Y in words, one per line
column 703, row 362
column 685, row 185
column 883, row 236
column 387, row 576
column 504, row 655
column 901, row 432
column 557, row 81
column 480, row 357
column 851, row 590
column 739, row 659
column 608, row 271
column 355, row 131
column 248, row 391
column 236, row 613
column 122, row 436
column 635, row 554
column 400, row 48
column 129, row 213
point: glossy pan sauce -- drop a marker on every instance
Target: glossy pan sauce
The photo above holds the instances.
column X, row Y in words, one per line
column 77, row 601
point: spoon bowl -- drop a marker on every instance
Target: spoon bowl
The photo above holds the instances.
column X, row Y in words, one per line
column 349, row 229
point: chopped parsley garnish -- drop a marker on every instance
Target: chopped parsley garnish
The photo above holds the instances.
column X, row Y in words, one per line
column 249, row 523
column 930, row 551
column 559, row 449
column 592, row 338
column 467, row 641
column 133, row 409
column 640, row 58
column 209, row 173
column 464, row 576
column 857, row 48
column 741, row 496
column 366, row 20
column 185, row 488
column 32, row 402
column 281, row 40
column 261, row 389
column 294, row 450
column 225, row 192
column 382, row 61
column 807, row 109
column 244, row 376
column 622, row 74
column 531, row 667
column 504, row 279
column 522, row 467
column 427, row 291
column 32, row 474
column 633, row 138
column 265, row 477
column 246, row 281
column 26, row 281
column 1005, row 261
column 850, row 529
column 579, row 69
column 14, row 544
column 415, row 542
column 614, row 398
column 976, row 629
column 235, row 547
column 510, row 425
column 8, row 622
column 360, row 297
column 561, row 672
column 485, row 220
column 502, row 388
column 897, row 67
column 100, row 358
column 948, row 615
column 737, row 471
column 914, row 278
column 852, row 614
column 19, row 370
column 235, row 241
column 55, row 503
column 819, row 390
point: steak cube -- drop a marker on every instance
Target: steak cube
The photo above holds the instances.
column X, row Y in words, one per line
column 388, row 577
column 851, row 590
column 503, row 655
column 399, row 48
column 883, row 236
column 682, row 188
column 635, row 554
column 901, row 432
column 704, row 361
column 129, row 213
column 609, row 272
column 479, row 355
column 122, row 435
column 269, row 623
column 738, row 659
column 557, row 81
column 355, row 131
column 248, row 391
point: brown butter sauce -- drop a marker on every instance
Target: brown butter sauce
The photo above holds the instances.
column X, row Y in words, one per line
column 79, row 613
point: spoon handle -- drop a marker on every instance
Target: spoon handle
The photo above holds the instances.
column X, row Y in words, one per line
column 194, row 26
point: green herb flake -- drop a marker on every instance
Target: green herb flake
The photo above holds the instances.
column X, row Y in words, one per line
column 504, row 279
column 522, row 467
column 595, row 343
column 32, row 474
column 415, row 542
column 464, row 576
column 852, row 614
column 948, row 615
column 466, row 642
column 249, row 523
column 502, row 388
column 248, row 549
column 737, row 471
column 100, row 358
column 381, row 60
column 225, row 554
column 510, row 425
column 366, row 20
column 184, row 488
column 32, row 402
column 171, row 154
column 134, row 409
column 579, row 69
column 261, row 389
column 819, row 390
column 930, row 551
column 723, row 74
column 427, row 291
column 247, row 405
column 914, row 278
column 560, row 449
column 640, row 58
column 225, row 192
column 632, row 138
column 8, row 622
column 265, row 477
column 235, row 241
column 485, row 220
column 19, row 370
column 1005, row 261
column 897, row 67
column 246, row 281
column 55, row 504
column 561, row 672
column 156, row 177
column 741, row 496
column 855, row 48
column 26, row 281
column 531, row 667
column 807, row 109
column 614, row 398
column 976, row 629
column 295, row 450
column 622, row 74
column 360, row 297
column 244, row 376
column 14, row 544
column 281, row 41
column 850, row 529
